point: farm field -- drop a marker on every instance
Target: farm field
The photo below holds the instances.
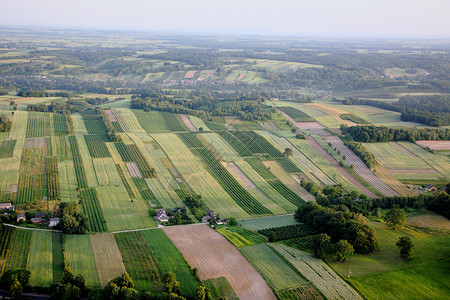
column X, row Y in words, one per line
column 79, row 256
column 215, row 257
column 40, row 260
column 170, row 259
column 108, row 260
column 220, row 287
column 370, row 274
column 274, row 269
column 317, row 272
column 14, row 248
column 256, row 224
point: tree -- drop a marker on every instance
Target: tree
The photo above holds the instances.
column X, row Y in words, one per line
column 320, row 241
column 287, row 152
column 67, row 275
column 377, row 212
column 406, row 246
column 232, row 221
column 177, row 218
column 272, row 236
column 16, row 290
column 343, row 250
column 395, row 218
column 169, row 280
column 201, row 293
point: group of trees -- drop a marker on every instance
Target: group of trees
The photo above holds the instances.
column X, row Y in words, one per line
column 322, row 247
column 111, row 132
column 371, row 134
column 41, row 93
column 59, row 107
column 70, row 287
column 72, row 219
column 339, row 225
column 366, row 156
column 15, row 281
column 432, row 110
column 5, row 124
column 204, row 106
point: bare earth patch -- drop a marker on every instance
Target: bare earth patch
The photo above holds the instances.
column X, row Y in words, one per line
column 134, row 171
column 404, row 150
column 432, row 221
column 215, row 256
column 35, row 143
column 188, row 123
column 13, row 188
column 435, row 145
column 111, row 116
column 189, row 74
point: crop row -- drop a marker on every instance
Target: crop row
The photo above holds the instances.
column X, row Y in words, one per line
column 125, row 181
column 230, row 185
column 296, row 115
column 53, row 179
column 79, row 170
column 173, row 122
column 117, row 126
column 19, row 242
column 247, row 234
column 143, row 189
column 288, row 165
column 288, row 232
column 280, row 187
column 307, row 292
column 139, row 260
column 190, row 140
column 7, row 148
column 35, row 127
column 93, row 122
column 59, row 125
column 146, row 170
column 123, row 151
column 92, row 209
column 31, row 188
column 96, row 145
column 235, row 238
column 235, row 143
column 264, row 144
column 215, row 126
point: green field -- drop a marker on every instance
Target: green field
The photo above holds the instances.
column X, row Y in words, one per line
column 267, row 222
column 79, row 256
column 220, row 287
column 170, row 260
column 273, row 268
column 14, row 248
column 385, row 275
column 40, row 260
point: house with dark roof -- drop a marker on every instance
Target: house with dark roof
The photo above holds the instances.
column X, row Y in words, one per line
column 161, row 215
column 7, row 206
column 21, row 217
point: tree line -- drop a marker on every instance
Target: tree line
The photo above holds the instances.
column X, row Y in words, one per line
column 432, row 110
column 372, row 134
column 5, row 124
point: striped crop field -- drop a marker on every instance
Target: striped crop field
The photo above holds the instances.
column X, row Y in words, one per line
column 7, row 148
column 67, row 181
column 40, row 260
column 79, row 256
column 173, row 122
column 139, row 260
column 108, row 259
column 197, row 177
column 151, row 122
column 127, row 120
column 273, row 268
column 38, row 125
column 225, row 151
column 170, row 260
column 59, row 125
column 96, row 145
column 91, row 208
column 317, row 272
column 14, row 248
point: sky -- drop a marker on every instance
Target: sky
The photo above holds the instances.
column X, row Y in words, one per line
column 333, row 18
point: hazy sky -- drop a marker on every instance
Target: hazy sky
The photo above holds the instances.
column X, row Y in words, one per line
column 382, row 18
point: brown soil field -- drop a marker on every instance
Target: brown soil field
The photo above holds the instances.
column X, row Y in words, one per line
column 435, row 145
column 189, row 74
column 403, row 150
column 111, row 116
column 433, row 221
column 215, row 256
column 188, row 123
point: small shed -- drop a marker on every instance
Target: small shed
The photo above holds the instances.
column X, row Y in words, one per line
column 21, row 217
column 53, row 222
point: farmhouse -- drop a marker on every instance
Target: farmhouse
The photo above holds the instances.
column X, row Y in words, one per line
column 21, row 217
column 53, row 222
column 211, row 214
column 206, row 219
column 161, row 215
column 431, row 188
column 7, row 206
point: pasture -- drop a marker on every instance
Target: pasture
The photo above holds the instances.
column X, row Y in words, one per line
column 40, row 260
column 215, row 257
column 385, row 275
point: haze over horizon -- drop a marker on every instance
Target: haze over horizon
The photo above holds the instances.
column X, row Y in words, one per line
column 347, row 18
